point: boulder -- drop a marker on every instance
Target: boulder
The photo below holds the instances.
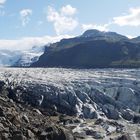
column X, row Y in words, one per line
column 37, row 111
column 30, row 134
column 136, row 118
column 17, row 135
column 127, row 114
column 25, row 118
column 89, row 111
column 4, row 136
column 94, row 134
column 2, row 83
column 123, row 137
column 1, row 112
column 111, row 112
column 43, row 136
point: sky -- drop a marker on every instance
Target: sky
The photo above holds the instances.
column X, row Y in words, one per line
column 25, row 23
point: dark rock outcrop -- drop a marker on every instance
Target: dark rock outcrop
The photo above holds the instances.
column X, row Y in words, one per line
column 19, row 121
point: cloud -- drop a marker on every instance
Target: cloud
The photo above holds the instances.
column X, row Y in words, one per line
column 68, row 10
column 62, row 20
column 131, row 19
column 2, row 2
column 2, row 12
column 95, row 26
column 28, row 42
column 25, row 16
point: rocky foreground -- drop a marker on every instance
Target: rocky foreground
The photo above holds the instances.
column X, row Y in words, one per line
column 69, row 104
column 19, row 121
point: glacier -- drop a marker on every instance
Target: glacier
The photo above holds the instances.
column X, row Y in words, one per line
column 87, row 93
column 20, row 58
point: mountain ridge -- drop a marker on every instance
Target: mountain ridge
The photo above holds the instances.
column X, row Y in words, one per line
column 93, row 49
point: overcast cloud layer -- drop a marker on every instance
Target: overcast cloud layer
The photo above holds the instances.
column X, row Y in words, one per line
column 28, row 42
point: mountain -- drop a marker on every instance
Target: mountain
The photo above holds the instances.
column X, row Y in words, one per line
column 136, row 39
column 93, row 49
column 111, row 36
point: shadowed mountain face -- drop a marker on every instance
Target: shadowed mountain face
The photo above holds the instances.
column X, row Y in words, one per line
column 93, row 49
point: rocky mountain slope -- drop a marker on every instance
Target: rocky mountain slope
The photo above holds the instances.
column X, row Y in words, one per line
column 93, row 49
column 100, row 106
